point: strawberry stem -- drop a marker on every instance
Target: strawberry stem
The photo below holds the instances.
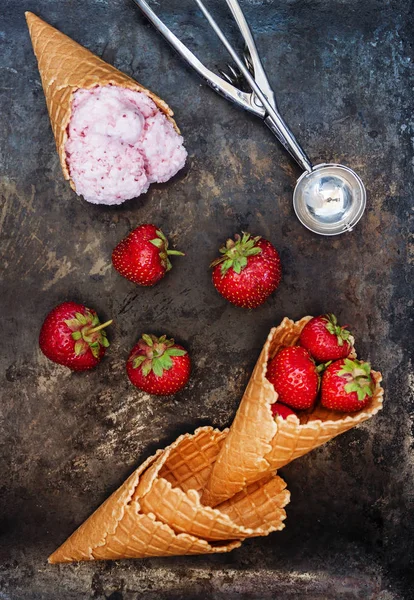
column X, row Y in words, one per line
column 161, row 243
column 99, row 327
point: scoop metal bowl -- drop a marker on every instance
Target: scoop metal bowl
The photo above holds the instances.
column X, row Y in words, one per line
column 330, row 199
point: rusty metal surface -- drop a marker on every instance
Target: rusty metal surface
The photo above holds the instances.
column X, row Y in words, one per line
column 343, row 71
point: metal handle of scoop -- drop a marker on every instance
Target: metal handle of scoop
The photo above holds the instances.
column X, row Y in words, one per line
column 259, row 72
column 224, row 88
column 279, row 124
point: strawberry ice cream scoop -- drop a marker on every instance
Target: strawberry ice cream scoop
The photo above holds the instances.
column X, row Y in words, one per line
column 119, row 143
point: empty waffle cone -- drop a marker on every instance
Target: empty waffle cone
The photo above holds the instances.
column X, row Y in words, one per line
column 119, row 529
column 66, row 66
column 171, row 487
column 257, row 443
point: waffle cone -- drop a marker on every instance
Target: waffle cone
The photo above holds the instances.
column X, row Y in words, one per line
column 66, row 66
column 258, row 444
column 174, row 498
column 119, row 529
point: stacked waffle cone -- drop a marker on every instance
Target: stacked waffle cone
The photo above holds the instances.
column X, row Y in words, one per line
column 65, row 67
column 157, row 511
column 209, row 491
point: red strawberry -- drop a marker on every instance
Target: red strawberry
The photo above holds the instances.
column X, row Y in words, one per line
column 158, row 366
column 72, row 336
column 248, row 271
column 325, row 339
column 294, row 377
column 280, row 410
column 142, row 257
column 347, row 385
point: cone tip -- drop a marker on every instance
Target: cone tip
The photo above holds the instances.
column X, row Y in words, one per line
column 30, row 17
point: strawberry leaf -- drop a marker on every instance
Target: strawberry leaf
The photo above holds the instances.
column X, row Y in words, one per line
column 237, row 266
column 148, row 339
column 138, row 360
column 81, row 318
column 80, row 347
column 73, row 324
column 95, row 349
column 146, row 368
column 226, row 266
column 157, row 242
column 176, row 352
column 165, row 361
column 161, row 235
column 341, row 333
column 236, row 253
column 157, row 367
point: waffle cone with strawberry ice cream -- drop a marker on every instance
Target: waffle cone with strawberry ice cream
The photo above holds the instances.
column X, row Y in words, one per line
column 259, row 443
column 114, row 137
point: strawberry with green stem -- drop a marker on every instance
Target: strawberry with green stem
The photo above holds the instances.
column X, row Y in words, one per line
column 143, row 256
column 248, row 271
column 347, row 385
column 158, row 365
column 325, row 339
column 72, row 335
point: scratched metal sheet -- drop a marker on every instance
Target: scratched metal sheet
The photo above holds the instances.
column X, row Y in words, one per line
column 343, row 75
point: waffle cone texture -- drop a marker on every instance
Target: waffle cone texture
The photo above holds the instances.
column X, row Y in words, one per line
column 257, row 443
column 65, row 67
column 157, row 511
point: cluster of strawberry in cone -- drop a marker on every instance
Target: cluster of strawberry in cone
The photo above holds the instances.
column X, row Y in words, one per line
column 322, row 364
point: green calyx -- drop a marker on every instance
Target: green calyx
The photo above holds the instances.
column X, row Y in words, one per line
column 156, row 354
column 161, row 243
column 236, row 252
column 341, row 333
column 358, row 376
column 88, row 333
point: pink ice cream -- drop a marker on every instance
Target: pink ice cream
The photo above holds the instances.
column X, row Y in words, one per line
column 119, row 142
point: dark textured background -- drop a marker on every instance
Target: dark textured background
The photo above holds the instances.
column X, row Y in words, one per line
column 343, row 73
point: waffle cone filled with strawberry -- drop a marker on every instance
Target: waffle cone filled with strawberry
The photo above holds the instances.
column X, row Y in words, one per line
column 157, row 511
column 264, row 437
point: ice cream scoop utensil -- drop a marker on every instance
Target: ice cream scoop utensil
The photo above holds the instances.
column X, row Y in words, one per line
column 328, row 199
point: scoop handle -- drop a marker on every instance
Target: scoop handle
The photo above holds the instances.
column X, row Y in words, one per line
column 295, row 150
column 279, row 127
column 258, row 70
